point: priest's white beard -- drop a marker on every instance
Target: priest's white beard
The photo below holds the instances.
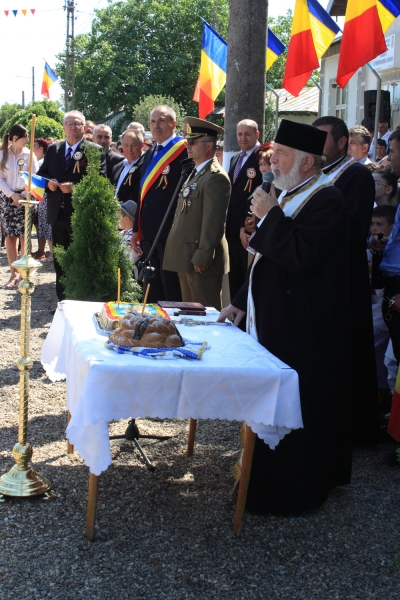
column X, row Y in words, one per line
column 290, row 180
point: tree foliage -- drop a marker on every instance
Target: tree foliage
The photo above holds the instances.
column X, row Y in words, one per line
column 48, row 122
column 97, row 250
column 7, row 110
column 141, row 47
column 141, row 111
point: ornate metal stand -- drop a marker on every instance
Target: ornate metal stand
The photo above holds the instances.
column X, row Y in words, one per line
column 22, row 480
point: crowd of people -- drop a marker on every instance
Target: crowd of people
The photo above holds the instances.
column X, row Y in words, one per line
column 299, row 259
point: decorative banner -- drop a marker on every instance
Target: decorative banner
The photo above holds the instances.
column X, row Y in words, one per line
column 23, row 11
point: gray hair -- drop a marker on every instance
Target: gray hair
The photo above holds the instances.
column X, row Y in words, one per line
column 169, row 111
column 362, row 132
column 136, row 125
column 102, row 126
column 319, row 161
column 75, row 113
column 135, row 133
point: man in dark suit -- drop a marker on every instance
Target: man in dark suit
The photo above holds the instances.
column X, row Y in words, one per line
column 161, row 172
column 245, row 176
column 126, row 175
column 102, row 135
column 64, row 166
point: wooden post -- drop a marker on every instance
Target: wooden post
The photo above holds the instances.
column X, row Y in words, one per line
column 92, row 505
column 192, row 435
column 247, row 461
column 70, row 447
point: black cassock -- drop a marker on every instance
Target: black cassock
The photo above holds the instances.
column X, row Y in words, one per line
column 301, row 299
column 358, row 188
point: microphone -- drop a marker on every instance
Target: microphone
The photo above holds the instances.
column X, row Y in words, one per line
column 267, row 180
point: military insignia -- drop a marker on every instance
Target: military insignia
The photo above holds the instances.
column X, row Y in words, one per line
column 189, row 202
column 251, row 173
column 166, row 170
column 20, row 162
column 214, row 169
column 186, row 192
column 188, row 129
column 193, row 186
column 77, row 156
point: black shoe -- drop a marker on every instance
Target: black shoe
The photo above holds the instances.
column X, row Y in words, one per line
column 132, row 432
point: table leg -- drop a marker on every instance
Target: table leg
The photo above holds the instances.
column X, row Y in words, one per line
column 92, row 505
column 70, row 447
column 247, row 460
column 192, row 435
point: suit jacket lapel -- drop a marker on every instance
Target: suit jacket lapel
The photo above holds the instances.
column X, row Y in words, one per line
column 61, row 155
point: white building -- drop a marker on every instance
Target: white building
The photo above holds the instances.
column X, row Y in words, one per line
column 348, row 104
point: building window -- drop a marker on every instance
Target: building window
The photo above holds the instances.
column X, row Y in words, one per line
column 341, row 103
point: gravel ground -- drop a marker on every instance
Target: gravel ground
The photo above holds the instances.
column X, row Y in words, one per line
column 168, row 534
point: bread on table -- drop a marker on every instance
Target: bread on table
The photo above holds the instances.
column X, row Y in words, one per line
column 147, row 332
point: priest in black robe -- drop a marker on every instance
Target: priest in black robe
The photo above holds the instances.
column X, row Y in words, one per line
column 297, row 306
column 357, row 185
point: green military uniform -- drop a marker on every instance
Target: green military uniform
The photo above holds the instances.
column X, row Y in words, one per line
column 197, row 235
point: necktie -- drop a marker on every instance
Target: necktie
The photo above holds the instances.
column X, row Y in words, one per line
column 238, row 165
column 159, row 148
column 68, row 158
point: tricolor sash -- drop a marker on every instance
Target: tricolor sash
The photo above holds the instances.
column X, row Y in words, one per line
column 158, row 163
column 155, row 168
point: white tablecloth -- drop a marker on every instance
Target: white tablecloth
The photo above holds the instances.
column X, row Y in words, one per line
column 237, row 379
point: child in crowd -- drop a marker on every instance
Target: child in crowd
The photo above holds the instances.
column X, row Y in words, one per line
column 128, row 211
column 382, row 222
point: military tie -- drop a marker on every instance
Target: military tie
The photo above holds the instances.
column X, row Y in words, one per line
column 68, row 158
column 238, row 165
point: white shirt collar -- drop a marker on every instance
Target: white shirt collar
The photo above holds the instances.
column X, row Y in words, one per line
column 203, row 164
column 163, row 144
column 73, row 148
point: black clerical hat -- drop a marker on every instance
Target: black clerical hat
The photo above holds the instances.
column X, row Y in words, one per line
column 199, row 127
column 301, row 137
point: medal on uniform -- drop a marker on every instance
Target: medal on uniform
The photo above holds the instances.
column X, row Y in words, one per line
column 164, row 181
column 251, row 173
column 77, row 157
column 185, row 194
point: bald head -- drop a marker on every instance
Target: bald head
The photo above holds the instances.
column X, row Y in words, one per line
column 102, row 135
column 247, row 134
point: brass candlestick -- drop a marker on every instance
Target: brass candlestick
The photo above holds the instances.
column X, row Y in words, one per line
column 22, row 480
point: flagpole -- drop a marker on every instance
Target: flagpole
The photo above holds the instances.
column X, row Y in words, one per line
column 377, row 108
column 315, row 82
column 276, row 106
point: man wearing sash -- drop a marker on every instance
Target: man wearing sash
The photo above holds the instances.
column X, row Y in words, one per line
column 357, row 185
column 161, row 172
column 297, row 307
column 64, row 166
column 245, row 176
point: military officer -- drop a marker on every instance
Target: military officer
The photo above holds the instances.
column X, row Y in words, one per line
column 196, row 247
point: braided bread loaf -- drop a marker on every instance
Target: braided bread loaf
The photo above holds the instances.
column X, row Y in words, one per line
column 147, row 332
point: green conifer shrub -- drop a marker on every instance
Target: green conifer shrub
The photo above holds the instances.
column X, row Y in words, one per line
column 97, row 250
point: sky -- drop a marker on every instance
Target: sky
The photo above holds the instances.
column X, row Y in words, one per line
column 29, row 40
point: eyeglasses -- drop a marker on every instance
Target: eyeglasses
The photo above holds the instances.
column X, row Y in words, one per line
column 381, row 183
column 120, row 150
column 193, row 142
column 73, row 124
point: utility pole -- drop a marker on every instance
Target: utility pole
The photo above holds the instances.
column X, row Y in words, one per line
column 69, row 6
column 33, row 84
column 245, row 78
column 23, row 99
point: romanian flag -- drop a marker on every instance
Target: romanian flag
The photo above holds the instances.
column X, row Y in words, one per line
column 393, row 428
column 49, row 77
column 38, row 185
column 212, row 78
column 302, row 58
column 388, row 10
column 274, row 48
column 323, row 27
column 362, row 40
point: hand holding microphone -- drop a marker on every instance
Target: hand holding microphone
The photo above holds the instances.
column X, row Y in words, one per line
column 262, row 201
